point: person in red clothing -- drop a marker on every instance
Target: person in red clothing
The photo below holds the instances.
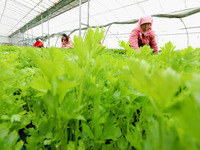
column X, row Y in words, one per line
column 143, row 34
column 38, row 43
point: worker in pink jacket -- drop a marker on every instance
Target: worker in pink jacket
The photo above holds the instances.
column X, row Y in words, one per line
column 143, row 34
column 66, row 42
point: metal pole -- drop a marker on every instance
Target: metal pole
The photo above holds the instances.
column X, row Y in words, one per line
column 186, row 31
column 57, row 40
column 88, row 19
column 10, row 38
column 32, row 35
column 48, row 32
column 42, row 25
column 23, row 38
column 27, row 35
column 80, row 17
column 106, row 34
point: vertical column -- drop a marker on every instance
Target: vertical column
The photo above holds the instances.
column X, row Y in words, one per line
column 48, row 31
column 32, row 36
column 27, row 36
column 42, row 25
column 23, row 38
column 80, row 3
column 88, row 17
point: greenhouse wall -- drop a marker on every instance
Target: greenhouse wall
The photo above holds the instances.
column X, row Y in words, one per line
column 17, row 39
column 4, row 40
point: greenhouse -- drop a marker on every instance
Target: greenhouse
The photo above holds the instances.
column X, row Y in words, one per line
column 22, row 21
column 100, row 74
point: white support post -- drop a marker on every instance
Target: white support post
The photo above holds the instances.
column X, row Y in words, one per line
column 88, row 17
column 27, row 35
column 42, row 25
column 32, row 35
column 80, row 3
column 48, row 32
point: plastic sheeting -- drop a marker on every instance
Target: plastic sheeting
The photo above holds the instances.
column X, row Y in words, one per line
column 16, row 13
column 102, row 12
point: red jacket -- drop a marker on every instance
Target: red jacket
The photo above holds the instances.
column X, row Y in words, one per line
column 38, row 44
column 145, row 38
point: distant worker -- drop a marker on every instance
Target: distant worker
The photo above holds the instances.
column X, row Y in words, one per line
column 66, row 42
column 143, row 34
column 38, row 43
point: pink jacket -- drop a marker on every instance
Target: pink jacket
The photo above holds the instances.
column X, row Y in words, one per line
column 146, row 38
column 67, row 44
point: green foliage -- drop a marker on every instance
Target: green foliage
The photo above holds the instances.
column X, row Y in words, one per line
column 90, row 97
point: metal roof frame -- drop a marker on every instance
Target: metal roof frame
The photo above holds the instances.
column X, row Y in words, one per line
column 179, row 15
column 52, row 12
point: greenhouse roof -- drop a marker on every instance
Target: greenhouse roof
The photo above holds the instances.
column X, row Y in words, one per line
column 18, row 15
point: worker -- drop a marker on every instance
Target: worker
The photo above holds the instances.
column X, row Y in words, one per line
column 143, row 35
column 38, row 43
column 66, row 42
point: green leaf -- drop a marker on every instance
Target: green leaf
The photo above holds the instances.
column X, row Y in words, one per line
column 87, row 130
